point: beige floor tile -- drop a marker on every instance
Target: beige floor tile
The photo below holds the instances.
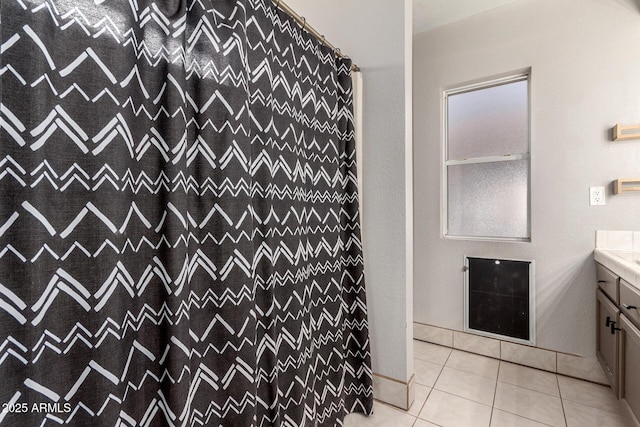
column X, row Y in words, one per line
column 447, row 410
column 530, row 404
column 469, row 386
column 585, row 416
column 430, row 352
column 528, row 356
column 422, row 392
column 426, row 373
column 504, row 419
column 423, row 423
column 533, row 379
column 473, row 363
column 589, row 394
column 383, row 416
column 581, row 367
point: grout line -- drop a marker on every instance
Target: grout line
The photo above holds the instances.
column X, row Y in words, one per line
column 471, row 374
column 443, row 365
column 434, row 384
column 620, row 414
column 437, row 378
column 449, row 356
column 564, row 413
column 559, row 389
column 425, row 400
column 430, row 422
column 522, row 416
column 463, row 398
column 517, row 415
column 395, row 408
column 495, row 392
column 524, row 386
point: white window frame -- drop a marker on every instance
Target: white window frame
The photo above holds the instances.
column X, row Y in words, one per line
column 484, row 84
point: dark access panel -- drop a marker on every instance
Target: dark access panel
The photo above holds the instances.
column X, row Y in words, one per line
column 499, row 297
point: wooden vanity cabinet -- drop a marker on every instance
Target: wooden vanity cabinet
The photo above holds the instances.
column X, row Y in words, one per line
column 618, row 338
column 607, row 341
column 630, row 366
column 629, row 354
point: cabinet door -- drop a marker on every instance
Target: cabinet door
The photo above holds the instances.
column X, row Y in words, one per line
column 608, row 318
column 630, row 366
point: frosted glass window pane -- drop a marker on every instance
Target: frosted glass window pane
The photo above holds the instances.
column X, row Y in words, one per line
column 488, row 122
column 488, row 199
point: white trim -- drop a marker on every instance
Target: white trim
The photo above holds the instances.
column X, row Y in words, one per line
column 488, row 239
column 522, row 76
column 488, row 159
column 532, row 303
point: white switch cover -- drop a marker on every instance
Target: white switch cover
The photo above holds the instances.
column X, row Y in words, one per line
column 596, row 196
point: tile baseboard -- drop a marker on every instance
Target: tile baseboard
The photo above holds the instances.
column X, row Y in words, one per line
column 433, row 334
column 393, row 392
column 533, row 357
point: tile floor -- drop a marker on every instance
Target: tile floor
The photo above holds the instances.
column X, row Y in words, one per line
column 458, row 389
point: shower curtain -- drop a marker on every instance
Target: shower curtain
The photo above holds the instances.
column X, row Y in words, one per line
column 179, row 229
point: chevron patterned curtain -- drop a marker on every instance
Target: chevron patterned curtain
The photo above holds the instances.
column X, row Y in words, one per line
column 179, row 230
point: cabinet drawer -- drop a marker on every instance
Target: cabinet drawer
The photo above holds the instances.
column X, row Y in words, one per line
column 608, row 282
column 630, row 302
column 630, row 368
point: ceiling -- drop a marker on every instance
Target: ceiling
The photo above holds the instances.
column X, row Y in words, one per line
column 429, row 14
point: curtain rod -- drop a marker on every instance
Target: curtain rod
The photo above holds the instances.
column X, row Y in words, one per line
column 305, row 26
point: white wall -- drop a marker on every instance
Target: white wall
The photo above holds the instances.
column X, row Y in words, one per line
column 372, row 33
column 585, row 78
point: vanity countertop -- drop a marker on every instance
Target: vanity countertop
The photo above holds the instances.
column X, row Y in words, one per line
column 625, row 264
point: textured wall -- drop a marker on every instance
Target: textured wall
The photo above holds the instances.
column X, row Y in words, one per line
column 585, row 78
column 372, row 32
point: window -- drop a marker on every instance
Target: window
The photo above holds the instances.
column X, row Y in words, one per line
column 487, row 163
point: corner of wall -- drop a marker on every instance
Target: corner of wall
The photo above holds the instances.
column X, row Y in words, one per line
column 408, row 99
